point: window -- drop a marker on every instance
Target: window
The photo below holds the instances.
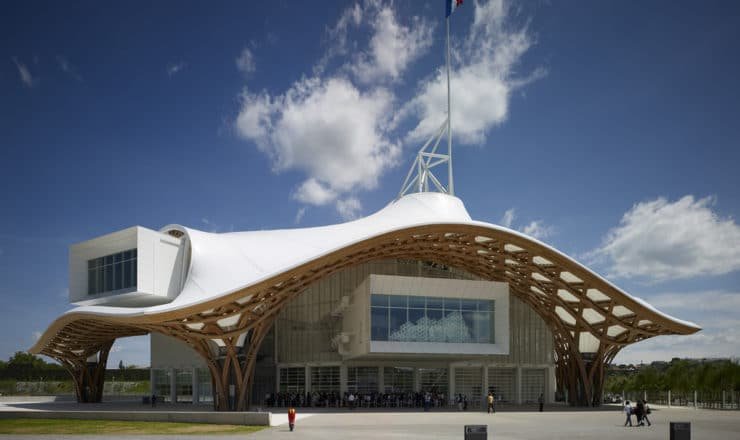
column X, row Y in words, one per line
column 398, row 379
column 293, row 380
column 112, row 273
column 362, row 380
column 325, row 379
column 404, row 318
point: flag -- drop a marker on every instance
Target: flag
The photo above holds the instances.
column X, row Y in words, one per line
column 452, row 5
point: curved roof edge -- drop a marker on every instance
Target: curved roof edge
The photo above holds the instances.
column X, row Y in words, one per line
column 224, row 264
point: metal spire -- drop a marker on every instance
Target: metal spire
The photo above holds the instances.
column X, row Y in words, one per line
column 426, row 160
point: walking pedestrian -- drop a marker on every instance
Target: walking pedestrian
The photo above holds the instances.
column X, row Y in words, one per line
column 291, row 418
column 491, row 409
column 645, row 411
column 639, row 412
column 541, row 401
column 154, row 400
column 628, row 412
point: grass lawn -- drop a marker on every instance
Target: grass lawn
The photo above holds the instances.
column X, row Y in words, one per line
column 67, row 426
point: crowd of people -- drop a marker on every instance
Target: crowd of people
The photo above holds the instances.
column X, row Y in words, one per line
column 334, row 399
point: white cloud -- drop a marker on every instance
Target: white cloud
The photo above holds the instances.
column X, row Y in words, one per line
column 36, row 336
column 174, row 68
column 349, row 208
column 245, row 62
column 482, row 78
column 351, row 17
column 714, row 310
column 536, row 228
column 327, row 128
column 508, row 219
column 299, row 214
column 314, row 193
column 392, row 47
column 662, row 240
column 68, row 68
column 25, row 74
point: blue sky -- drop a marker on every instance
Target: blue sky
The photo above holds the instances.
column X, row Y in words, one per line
column 609, row 130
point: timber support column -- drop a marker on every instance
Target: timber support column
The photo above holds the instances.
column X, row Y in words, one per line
column 88, row 373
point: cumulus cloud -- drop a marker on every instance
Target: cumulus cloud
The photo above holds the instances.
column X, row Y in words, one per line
column 660, row 240
column 299, row 214
column 349, row 208
column 327, row 128
column 392, row 47
column 714, row 310
column 342, row 126
column 174, row 68
column 245, row 62
column 68, row 68
column 482, row 77
column 508, row 219
column 535, row 228
column 26, row 78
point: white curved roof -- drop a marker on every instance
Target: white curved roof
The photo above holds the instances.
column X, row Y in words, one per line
column 223, row 263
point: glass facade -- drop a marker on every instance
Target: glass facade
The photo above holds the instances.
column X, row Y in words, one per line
column 398, row 379
column 162, row 385
column 112, row 272
column 205, row 387
column 362, row 380
column 184, row 385
column 434, row 380
column 431, row 319
column 293, row 380
column 325, row 379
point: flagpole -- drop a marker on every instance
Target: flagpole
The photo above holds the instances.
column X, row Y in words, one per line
column 449, row 116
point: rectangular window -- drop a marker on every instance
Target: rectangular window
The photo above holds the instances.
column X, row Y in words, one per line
column 404, row 318
column 112, row 273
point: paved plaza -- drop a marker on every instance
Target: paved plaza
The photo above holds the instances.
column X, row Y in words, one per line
column 602, row 424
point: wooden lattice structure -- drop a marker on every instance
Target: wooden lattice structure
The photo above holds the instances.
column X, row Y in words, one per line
column 590, row 319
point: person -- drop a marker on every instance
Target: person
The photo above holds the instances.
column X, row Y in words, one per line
column 541, row 401
column 628, row 412
column 459, row 402
column 465, row 402
column 639, row 412
column 351, row 400
column 154, row 400
column 291, row 418
column 645, row 412
column 427, row 401
column 490, row 403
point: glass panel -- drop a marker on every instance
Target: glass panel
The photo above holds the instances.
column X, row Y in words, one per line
column 397, row 319
column 108, row 259
column 452, row 304
column 118, row 269
column 184, row 385
column 434, row 303
column 91, row 281
column 162, row 385
column 363, row 380
column 108, row 277
column 434, row 380
column 325, row 379
column 416, row 302
column 379, row 300
column 205, row 392
column 469, row 304
column 398, row 301
column 379, row 324
column 398, row 379
column 293, row 380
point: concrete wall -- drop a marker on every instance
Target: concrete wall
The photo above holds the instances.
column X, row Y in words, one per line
column 167, row 352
